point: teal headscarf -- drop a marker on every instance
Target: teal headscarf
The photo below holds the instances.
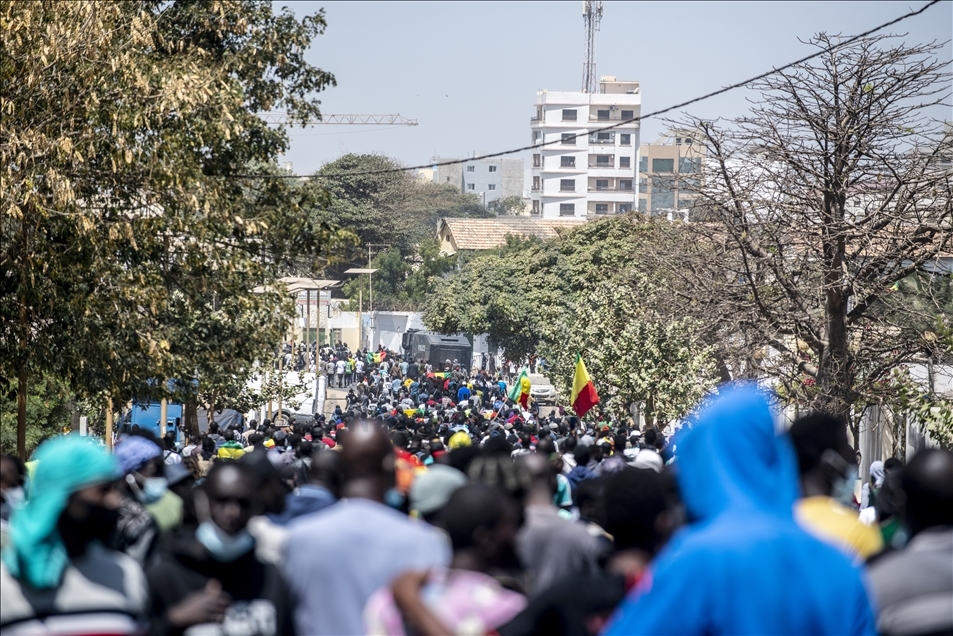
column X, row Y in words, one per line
column 65, row 465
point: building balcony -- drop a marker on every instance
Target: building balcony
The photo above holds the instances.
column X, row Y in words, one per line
column 595, row 141
column 610, row 189
column 604, row 166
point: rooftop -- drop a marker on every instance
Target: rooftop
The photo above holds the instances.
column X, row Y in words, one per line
column 484, row 234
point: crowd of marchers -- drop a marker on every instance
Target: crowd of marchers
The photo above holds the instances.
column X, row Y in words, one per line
column 436, row 502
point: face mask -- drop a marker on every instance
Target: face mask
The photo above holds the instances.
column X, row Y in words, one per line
column 221, row 545
column 153, row 488
column 14, row 497
column 843, row 487
column 96, row 523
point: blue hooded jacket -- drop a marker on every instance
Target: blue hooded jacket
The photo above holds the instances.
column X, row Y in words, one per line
column 743, row 566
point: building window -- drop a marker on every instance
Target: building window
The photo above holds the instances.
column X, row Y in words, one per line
column 625, row 162
column 569, row 139
column 643, row 183
column 625, row 207
column 471, row 186
column 643, row 204
column 491, row 186
column 602, row 115
column 602, row 184
column 535, row 184
column 535, row 207
column 662, row 199
column 567, row 161
column 471, row 168
column 492, row 168
column 625, row 184
column 678, row 141
column 663, row 165
column 603, row 161
column 603, row 137
column 628, row 114
column 643, row 164
column 689, row 165
column 602, row 208
column 625, row 139
column 537, row 161
column 569, row 115
column 567, row 185
column 567, row 209
column 536, row 136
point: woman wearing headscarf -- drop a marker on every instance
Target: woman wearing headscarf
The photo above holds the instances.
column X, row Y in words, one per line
column 57, row 573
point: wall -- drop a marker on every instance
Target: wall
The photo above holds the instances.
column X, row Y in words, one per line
column 387, row 327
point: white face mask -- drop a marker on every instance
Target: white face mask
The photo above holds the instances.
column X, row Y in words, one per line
column 14, row 497
column 222, row 546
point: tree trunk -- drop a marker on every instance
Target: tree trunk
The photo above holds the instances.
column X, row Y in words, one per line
column 74, row 415
column 21, row 411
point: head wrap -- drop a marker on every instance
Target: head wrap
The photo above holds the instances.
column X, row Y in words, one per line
column 458, row 440
column 134, row 451
column 877, row 473
column 64, row 465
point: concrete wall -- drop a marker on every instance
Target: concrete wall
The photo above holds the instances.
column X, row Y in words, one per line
column 387, row 327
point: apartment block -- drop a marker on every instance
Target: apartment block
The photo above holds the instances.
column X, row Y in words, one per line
column 669, row 171
column 489, row 179
column 583, row 170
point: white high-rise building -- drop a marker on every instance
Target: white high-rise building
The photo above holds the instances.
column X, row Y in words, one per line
column 595, row 173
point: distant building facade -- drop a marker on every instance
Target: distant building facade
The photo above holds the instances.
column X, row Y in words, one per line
column 670, row 170
column 586, row 172
column 488, row 179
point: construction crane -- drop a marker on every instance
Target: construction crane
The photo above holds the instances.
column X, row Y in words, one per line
column 279, row 118
column 591, row 16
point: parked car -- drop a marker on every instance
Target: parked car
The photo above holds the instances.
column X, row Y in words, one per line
column 542, row 390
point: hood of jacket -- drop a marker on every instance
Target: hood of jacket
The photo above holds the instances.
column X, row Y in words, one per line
column 733, row 460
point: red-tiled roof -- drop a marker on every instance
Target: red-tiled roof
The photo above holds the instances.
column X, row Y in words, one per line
column 485, row 234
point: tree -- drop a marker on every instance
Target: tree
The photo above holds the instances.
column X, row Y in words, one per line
column 507, row 206
column 820, row 202
column 48, row 411
column 586, row 292
column 131, row 245
column 384, row 205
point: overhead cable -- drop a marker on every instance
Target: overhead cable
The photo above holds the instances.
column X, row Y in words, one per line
column 625, row 122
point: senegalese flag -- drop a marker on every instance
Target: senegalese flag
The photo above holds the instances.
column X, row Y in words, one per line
column 443, row 375
column 520, row 390
column 584, row 395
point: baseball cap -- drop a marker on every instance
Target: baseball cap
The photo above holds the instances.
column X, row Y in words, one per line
column 432, row 489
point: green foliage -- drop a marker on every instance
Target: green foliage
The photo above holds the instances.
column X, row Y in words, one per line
column 388, row 207
column 402, row 284
column 131, row 245
column 583, row 293
column 48, row 414
column 512, row 205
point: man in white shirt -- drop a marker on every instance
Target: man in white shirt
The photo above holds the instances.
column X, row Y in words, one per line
column 339, row 372
column 649, row 456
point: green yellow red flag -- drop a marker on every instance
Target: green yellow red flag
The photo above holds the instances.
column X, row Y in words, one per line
column 520, row 391
column 584, row 395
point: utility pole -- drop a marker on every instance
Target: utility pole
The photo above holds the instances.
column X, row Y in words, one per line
column 591, row 16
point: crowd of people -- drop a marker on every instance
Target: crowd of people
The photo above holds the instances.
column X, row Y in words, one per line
column 432, row 503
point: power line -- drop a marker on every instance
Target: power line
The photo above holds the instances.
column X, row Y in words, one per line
column 560, row 141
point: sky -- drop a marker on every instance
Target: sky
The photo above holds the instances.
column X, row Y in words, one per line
column 468, row 72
